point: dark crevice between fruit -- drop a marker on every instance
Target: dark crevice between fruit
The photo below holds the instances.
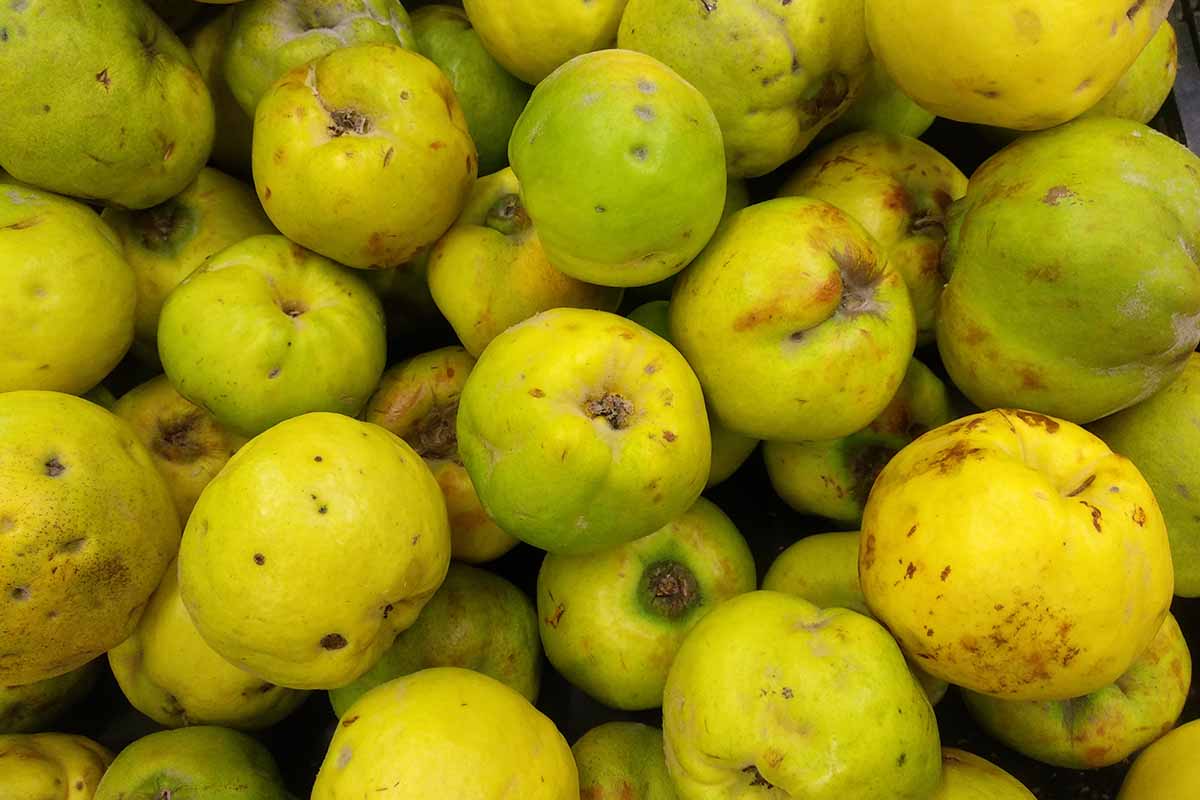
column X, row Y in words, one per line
column 508, row 215
column 756, row 778
column 670, row 589
column 175, row 440
column 348, row 120
column 436, row 435
column 613, row 407
column 866, row 465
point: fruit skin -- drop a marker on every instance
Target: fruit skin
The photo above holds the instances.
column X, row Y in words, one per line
column 198, row 763
column 775, row 76
column 265, row 330
column 963, row 530
column 611, row 622
column 491, row 98
column 272, row 37
column 532, row 38
column 823, row 569
column 489, row 271
column 623, row 759
column 833, row 478
column 234, row 129
column 1161, row 438
column 729, row 449
column 185, row 443
column 899, row 189
column 106, row 103
column 57, row 258
column 1072, row 264
column 1104, row 727
column 166, row 242
column 879, row 106
column 377, row 165
column 795, row 323
column 1144, row 87
column 604, row 132
column 1167, row 768
column 336, row 508
column 171, row 675
column 36, row 706
column 968, row 777
column 38, row 766
column 88, row 529
column 475, row 620
column 1024, row 68
column 417, row 400
column 446, row 732
column 771, row 681
column 554, row 402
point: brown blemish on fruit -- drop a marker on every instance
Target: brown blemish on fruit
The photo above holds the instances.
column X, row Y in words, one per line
column 1030, row 378
column 910, row 570
column 436, row 145
column 333, row 641
column 7, row 523
column 990, row 94
column 1050, row 273
column 347, row 120
column 756, row 778
column 670, row 588
column 348, row 721
column 669, row 436
column 54, row 467
column 911, row 531
column 1083, row 486
column 868, row 554
column 946, row 572
column 1056, row 194
column 23, row 224
column 387, row 609
column 1139, row 516
column 103, row 79
column 536, row 393
column 556, row 617
column 650, row 369
column 20, row 593
column 1037, row 420
column 280, row 155
column 266, row 193
column 1134, row 9
column 612, row 407
column 260, row 559
column 387, row 157
column 708, row 6
column 1084, row 85
column 953, row 456
column 1095, row 515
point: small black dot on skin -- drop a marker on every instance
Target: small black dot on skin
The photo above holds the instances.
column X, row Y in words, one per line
column 323, row 510
column 54, row 467
column 260, row 559
column 318, row 459
column 333, row 641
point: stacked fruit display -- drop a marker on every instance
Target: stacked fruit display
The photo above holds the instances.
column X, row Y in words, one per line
column 319, row 319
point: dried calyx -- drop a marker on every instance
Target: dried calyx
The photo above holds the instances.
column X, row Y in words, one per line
column 670, row 589
column 176, row 440
column 348, row 120
column 436, row 436
column 157, row 226
column 860, row 279
column 507, row 215
column 612, row 407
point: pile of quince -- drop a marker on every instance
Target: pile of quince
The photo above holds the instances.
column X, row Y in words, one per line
column 313, row 311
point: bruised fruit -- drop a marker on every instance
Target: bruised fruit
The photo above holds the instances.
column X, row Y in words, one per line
column 418, row 400
column 169, row 674
column 1106, row 726
column 272, row 37
column 612, row 621
column 265, row 330
column 166, row 242
column 767, row 699
column 35, row 706
column 602, row 134
column 832, row 478
column 42, row 766
column 446, row 732
column 199, row 763
column 1015, row 65
column 531, row 38
column 363, row 155
column 623, row 759
column 318, row 542
column 969, row 777
column 775, row 74
column 555, row 403
column 794, row 321
column 87, row 528
column 186, row 444
column 56, row 259
column 103, row 102
column 475, row 620
column 982, row 543
column 1167, row 768
column 489, row 271
column 899, row 189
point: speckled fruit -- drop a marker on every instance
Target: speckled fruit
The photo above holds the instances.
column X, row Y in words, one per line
column 490, row 272
column 265, row 330
column 317, row 509
column 187, row 445
column 42, row 766
column 1074, row 289
column 551, row 409
column 271, row 37
column 611, row 622
column 623, row 760
column 363, row 155
column 56, row 258
column 768, row 698
column 603, row 133
column 774, row 73
column 899, row 189
column 1014, row 64
column 982, row 543
column 475, row 620
column 446, row 732
column 832, row 478
column 1106, row 726
column 166, row 242
column 36, row 706
column 103, row 102
column 795, row 323
column 87, row 528
column 969, row 777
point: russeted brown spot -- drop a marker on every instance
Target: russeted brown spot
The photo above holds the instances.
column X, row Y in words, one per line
column 54, row 467
column 612, row 407
column 333, row 641
column 260, row 559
